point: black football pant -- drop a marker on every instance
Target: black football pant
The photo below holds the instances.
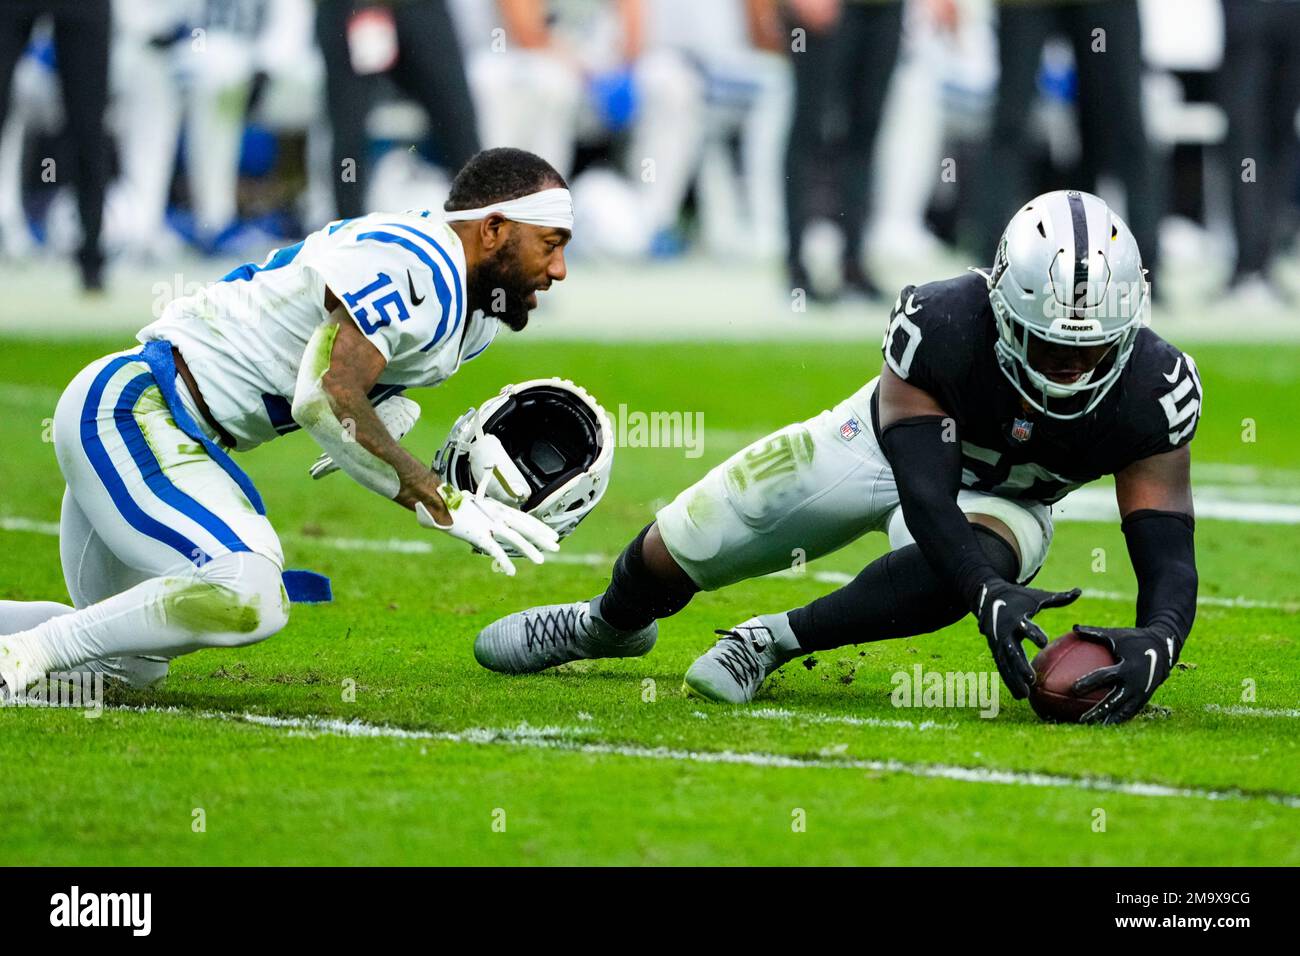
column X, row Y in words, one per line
column 1259, row 89
column 429, row 69
column 81, row 34
column 1110, row 114
column 840, row 82
column 897, row 595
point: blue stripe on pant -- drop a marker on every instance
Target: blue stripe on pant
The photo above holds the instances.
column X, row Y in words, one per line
column 149, row 466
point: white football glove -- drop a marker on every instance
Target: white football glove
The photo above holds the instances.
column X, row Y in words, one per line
column 487, row 524
column 399, row 415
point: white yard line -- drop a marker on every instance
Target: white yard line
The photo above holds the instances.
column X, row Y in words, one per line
column 836, row 578
column 29, row 395
column 1212, row 502
column 1240, row 710
column 569, row 739
column 1252, row 475
column 1204, row 600
column 781, row 714
column 9, row 523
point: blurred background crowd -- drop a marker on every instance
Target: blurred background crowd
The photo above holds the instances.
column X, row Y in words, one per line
column 136, row 131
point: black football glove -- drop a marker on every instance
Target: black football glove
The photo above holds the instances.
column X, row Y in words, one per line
column 1004, row 612
column 1146, row 655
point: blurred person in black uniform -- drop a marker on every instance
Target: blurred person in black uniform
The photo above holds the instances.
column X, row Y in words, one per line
column 842, row 64
column 1112, row 131
column 413, row 41
column 81, row 34
column 1259, row 89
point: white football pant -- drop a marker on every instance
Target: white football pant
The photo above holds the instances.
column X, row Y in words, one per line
column 807, row 490
column 162, row 552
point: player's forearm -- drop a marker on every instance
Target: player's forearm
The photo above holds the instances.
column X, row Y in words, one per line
column 339, row 416
column 926, row 459
column 364, row 427
column 1161, row 546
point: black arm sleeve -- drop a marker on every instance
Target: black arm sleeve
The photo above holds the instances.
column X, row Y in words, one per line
column 927, row 469
column 1162, row 548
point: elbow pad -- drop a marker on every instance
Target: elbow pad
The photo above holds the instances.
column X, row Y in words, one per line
column 313, row 411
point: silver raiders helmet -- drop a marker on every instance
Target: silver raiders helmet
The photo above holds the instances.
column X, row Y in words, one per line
column 1068, row 272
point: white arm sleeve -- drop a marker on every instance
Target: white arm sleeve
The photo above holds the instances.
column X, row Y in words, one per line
column 312, row 410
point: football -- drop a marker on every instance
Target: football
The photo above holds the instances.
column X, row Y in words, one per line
column 1056, row 668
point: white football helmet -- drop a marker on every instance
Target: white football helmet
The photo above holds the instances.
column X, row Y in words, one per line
column 1068, row 272
column 543, row 446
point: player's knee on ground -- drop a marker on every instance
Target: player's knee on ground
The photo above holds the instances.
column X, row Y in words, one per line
column 233, row 600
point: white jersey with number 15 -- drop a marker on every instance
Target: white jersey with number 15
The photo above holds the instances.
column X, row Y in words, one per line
column 401, row 276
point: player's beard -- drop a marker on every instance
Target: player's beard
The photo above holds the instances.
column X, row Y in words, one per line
column 499, row 287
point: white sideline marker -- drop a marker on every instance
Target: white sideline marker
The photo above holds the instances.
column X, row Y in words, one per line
column 837, row 578
column 847, row 720
column 569, row 739
column 1239, row 710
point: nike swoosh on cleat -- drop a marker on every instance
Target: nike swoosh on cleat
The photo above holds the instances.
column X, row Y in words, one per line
column 415, row 299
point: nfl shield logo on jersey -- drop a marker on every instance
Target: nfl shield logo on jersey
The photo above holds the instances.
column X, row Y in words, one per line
column 1021, row 429
column 850, row 429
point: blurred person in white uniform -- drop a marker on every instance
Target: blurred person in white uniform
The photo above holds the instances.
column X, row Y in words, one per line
column 34, row 106
column 740, row 90
column 548, row 75
column 199, row 62
column 250, row 45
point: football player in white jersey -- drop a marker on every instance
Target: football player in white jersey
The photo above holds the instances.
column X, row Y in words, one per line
column 165, row 545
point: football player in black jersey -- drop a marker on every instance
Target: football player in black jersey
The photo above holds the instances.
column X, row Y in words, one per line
column 1001, row 392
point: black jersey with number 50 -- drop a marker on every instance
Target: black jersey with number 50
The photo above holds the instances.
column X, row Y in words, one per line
column 940, row 338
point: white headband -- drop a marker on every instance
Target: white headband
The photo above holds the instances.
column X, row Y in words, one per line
column 549, row 207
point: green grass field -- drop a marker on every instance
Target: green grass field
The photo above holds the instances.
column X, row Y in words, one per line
column 436, row 761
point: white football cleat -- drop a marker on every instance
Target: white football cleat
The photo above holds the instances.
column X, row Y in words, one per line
column 533, row 640
column 732, row 670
